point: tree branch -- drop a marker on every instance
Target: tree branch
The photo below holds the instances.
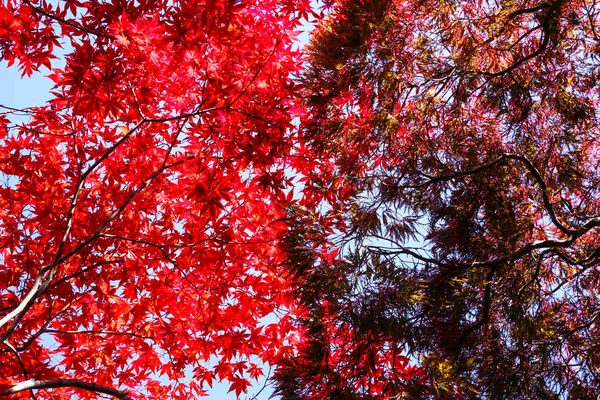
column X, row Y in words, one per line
column 531, row 10
column 21, row 364
column 64, row 21
column 504, row 157
column 66, row 383
column 97, row 332
column 46, row 273
column 544, row 41
column 485, row 315
column 23, row 306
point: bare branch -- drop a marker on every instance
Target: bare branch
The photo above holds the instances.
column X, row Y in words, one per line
column 66, row 383
column 23, row 306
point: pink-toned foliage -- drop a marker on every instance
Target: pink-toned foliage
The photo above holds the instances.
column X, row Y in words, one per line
column 459, row 162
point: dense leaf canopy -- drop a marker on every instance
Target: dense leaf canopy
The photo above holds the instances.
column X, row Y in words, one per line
column 139, row 207
column 441, row 240
column 460, row 154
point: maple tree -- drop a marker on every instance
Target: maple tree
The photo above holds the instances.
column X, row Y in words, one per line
column 459, row 175
column 140, row 205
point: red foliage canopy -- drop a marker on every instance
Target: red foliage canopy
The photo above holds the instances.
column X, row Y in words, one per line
column 139, row 208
